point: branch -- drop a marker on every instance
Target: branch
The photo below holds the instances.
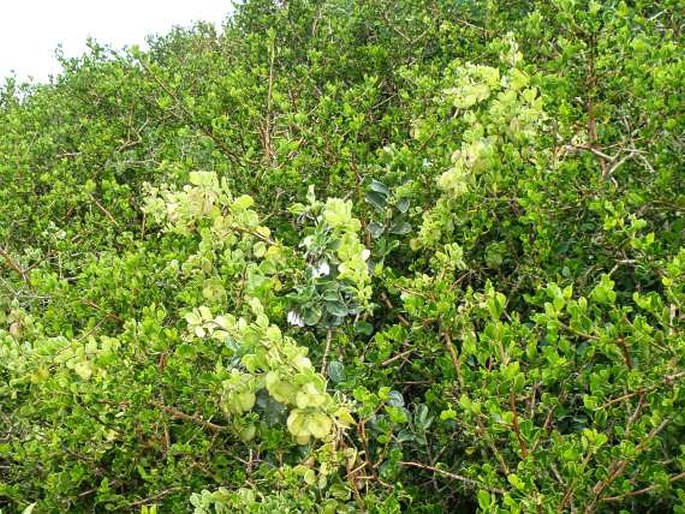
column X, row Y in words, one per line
column 326, row 350
column 268, row 148
column 451, row 475
column 386, row 301
column 617, row 468
column 517, row 430
column 253, row 233
column 396, row 357
column 13, row 265
column 104, row 211
column 177, row 414
column 638, row 492
column 208, row 131
column 667, row 380
column 454, row 358
column 158, row 495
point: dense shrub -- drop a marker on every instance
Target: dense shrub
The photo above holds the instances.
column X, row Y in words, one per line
column 351, row 256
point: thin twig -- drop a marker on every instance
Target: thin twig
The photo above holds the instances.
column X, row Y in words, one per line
column 667, row 380
column 515, row 422
column 396, row 357
column 105, row 211
column 386, row 301
column 13, row 264
column 177, row 414
column 327, row 349
column 451, row 475
column 638, row 492
column 454, row 358
column 157, row 496
column 617, row 467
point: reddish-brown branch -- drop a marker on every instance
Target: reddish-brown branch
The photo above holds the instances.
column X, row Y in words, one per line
column 668, row 380
column 454, row 358
column 621, row 342
column 645, row 490
column 618, row 467
column 515, row 422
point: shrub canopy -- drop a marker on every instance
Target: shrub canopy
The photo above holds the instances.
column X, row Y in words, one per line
column 351, row 256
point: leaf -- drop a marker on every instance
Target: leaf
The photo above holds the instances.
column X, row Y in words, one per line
column 311, row 315
column 305, row 399
column 336, row 371
column 247, row 433
column 29, row 509
column 246, row 400
column 375, row 229
column 363, row 328
column 400, row 228
column 259, row 249
column 515, row 481
column 484, row 500
column 379, row 187
column 421, row 418
column 337, row 309
column 242, row 203
column 283, row 392
column 395, row 399
column 337, row 212
column 344, row 418
column 403, row 205
column 213, row 290
column 296, row 423
column 84, row 369
column 310, row 477
column 377, row 200
column 319, row 425
column 332, row 294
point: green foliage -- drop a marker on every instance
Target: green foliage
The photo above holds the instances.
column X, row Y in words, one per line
column 481, row 312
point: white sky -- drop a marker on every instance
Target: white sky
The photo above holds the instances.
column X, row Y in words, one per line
column 30, row 30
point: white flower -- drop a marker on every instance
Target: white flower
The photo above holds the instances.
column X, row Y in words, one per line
column 366, row 253
column 295, row 319
column 322, row 270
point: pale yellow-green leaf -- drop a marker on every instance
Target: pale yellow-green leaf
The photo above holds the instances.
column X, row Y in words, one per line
column 344, row 418
column 319, row 425
column 84, row 369
column 247, row 433
column 303, row 439
column 242, row 401
column 259, row 249
column 310, row 477
column 296, row 423
column 242, row 203
column 283, row 392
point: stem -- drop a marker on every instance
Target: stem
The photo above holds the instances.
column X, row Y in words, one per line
column 451, row 475
column 645, row 490
column 268, row 149
column 517, row 430
column 13, row 265
column 177, row 414
column 326, row 350
column 454, row 357
column 617, row 468
column 104, row 211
